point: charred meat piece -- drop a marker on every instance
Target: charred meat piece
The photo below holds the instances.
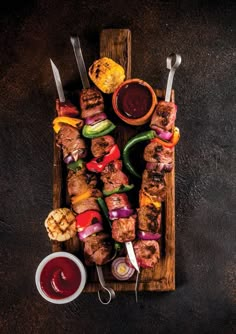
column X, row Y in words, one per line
column 154, row 152
column 91, row 102
column 164, row 116
column 159, row 167
column 97, row 249
column 69, row 140
column 78, row 183
column 154, row 184
column 147, row 253
column 117, row 201
column 101, row 145
column 123, row 229
column 66, row 109
column 113, row 177
column 86, row 204
column 149, row 218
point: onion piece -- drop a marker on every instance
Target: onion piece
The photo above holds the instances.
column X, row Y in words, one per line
column 95, row 118
column 68, row 159
column 120, row 213
column 121, row 270
column 165, row 135
column 148, row 235
column 91, row 229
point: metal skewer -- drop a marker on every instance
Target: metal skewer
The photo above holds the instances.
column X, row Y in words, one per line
column 58, row 82
column 172, row 69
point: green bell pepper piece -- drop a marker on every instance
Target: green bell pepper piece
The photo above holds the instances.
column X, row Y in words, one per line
column 99, row 129
column 76, row 165
column 123, row 188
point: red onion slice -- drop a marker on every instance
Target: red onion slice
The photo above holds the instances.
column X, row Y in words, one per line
column 148, row 235
column 91, row 229
column 96, row 118
column 68, row 159
column 120, row 213
column 121, row 270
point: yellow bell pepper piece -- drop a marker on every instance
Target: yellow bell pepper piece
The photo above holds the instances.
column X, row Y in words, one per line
column 75, row 122
column 79, row 198
column 145, row 199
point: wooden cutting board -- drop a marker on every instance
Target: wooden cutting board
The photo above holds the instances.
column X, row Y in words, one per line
column 116, row 44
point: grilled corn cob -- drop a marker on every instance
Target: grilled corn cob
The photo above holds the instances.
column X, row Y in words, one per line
column 106, row 74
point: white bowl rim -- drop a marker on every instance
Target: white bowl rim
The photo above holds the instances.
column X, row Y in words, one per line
column 77, row 261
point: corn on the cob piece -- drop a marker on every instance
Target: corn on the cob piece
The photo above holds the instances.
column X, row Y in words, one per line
column 106, row 74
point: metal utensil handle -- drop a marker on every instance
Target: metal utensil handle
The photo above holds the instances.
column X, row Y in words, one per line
column 108, row 292
column 172, row 69
column 80, row 61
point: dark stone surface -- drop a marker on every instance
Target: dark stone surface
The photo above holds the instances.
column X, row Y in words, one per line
column 203, row 32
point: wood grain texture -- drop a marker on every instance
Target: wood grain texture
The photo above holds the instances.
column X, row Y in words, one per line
column 116, row 44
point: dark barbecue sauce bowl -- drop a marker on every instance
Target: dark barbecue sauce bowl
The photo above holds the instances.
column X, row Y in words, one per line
column 134, row 101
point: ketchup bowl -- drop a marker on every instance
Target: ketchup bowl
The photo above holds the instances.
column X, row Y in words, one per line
column 60, row 277
column 134, row 101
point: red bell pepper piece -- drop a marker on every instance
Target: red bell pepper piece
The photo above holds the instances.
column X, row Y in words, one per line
column 97, row 165
column 87, row 218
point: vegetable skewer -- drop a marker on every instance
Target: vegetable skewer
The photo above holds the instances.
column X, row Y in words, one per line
column 105, row 163
column 158, row 155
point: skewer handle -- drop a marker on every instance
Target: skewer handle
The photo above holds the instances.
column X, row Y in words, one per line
column 172, row 69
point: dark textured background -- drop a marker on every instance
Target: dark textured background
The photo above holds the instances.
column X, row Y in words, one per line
column 203, row 32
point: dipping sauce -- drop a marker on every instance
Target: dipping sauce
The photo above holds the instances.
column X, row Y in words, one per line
column 134, row 100
column 60, row 278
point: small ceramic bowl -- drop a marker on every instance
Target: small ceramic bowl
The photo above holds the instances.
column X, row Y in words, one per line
column 134, row 101
column 60, row 277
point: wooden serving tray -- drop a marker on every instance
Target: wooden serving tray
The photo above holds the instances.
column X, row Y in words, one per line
column 116, row 44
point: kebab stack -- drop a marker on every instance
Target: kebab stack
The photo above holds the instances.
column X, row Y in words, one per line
column 106, row 162
column 82, row 191
column 158, row 155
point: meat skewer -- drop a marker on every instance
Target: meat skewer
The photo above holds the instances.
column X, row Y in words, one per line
column 106, row 157
column 158, row 155
column 81, row 187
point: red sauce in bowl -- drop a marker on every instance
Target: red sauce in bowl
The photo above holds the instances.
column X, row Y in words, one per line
column 60, row 278
column 134, row 100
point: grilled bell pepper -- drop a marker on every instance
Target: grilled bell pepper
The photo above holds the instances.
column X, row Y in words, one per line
column 172, row 142
column 75, row 122
column 98, row 129
column 123, row 188
column 76, row 165
column 87, row 218
column 145, row 199
column 97, row 165
column 78, row 198
column 147, row 135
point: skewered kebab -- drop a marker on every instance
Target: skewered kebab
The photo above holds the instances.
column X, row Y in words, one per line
column 106, row 153
column 158, row 155
column 81, row 185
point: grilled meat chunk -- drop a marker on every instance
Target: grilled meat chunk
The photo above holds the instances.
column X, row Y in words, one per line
column 154, row 152
column 154, row 184
column 113, row 177
column 147, row 253
column 123, row 229
column 69, row 140
column 97, row 249
column 78, row 183
column 66, row 109
column 149, row 218
column 86, row 204
column 117, row 201
column 91, row 102
column 101, row 145
column 164, row 116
